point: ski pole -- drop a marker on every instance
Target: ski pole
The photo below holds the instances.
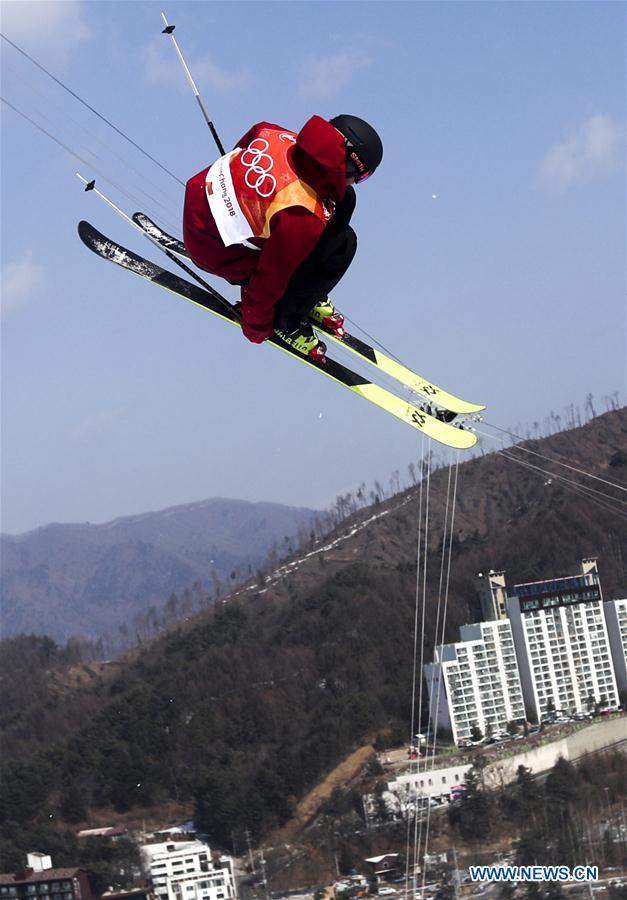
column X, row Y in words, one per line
column 169, row 29
column 91, row 186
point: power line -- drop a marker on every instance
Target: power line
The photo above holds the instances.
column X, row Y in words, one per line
column 620, row 487
column 590, row 494
column 59, row 142
column 600, row 498
column 69, row 150
column 91, row 108
column 53, row 107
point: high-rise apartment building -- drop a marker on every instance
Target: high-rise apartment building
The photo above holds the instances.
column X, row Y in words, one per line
column 616, row 620
column 475, row 682
column 562, row 644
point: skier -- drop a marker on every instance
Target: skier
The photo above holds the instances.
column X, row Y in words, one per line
column 273, row 217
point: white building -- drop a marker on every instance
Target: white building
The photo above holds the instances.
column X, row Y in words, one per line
column 430, row 783
column 38, row 862
column 616, row 621
column 185, row 870
column 562, row 644
column 476, row 682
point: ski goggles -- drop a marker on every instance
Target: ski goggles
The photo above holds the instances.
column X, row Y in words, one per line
column 357, row 170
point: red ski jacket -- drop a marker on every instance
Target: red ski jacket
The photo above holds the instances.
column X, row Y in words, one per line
column 317, row 159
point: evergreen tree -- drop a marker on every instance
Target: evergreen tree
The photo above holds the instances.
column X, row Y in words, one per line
column 475, row 814
column 523, row 801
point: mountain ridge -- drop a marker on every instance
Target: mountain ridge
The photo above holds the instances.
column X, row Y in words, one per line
column 66, row 579
column 136, row 517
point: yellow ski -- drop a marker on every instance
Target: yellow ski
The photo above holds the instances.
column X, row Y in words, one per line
column 420, row 420
column 377, row 358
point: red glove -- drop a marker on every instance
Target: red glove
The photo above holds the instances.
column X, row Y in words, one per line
column 256, row 333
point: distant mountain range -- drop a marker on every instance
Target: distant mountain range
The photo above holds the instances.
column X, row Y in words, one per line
column 82, row 579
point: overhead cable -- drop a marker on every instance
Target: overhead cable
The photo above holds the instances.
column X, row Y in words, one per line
column 596, row 497
column 606, row 501
column 620, row 487
column 442, row 612
column 132, row 197
column 91, row 108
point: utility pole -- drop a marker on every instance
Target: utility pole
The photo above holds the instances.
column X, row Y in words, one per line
column 590, row 892
column 607, row 804
column 250, row 852
column 456, row 874
column 263, row 875
column 332, row 835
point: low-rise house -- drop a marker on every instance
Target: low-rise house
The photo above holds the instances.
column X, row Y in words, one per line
column 384, row 868
column 39, row 880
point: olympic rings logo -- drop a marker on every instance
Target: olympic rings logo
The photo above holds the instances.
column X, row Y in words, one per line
column 259, row 163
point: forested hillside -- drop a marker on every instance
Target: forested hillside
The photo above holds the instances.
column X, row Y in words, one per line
column 245, row 707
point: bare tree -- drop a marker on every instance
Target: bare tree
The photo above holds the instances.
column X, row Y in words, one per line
column 200, row 596
column 187, row 604
column 301, row 537
column 611, row 401
column 273, row 557
column 216, row 584
column 171, row 611
column 126, row 641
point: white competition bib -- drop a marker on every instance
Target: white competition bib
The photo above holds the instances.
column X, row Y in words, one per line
column 231, row 222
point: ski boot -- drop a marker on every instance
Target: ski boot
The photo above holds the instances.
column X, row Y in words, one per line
column 303, row 339
column 325, row 314
column 443, row 415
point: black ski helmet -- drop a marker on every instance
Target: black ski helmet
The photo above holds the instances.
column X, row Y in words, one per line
column 364, row 150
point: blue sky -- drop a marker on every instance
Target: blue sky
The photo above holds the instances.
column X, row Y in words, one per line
column 491, row 241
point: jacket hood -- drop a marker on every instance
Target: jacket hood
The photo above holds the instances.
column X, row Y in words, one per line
column 320, row 158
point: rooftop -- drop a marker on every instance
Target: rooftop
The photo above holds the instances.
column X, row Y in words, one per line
column 29, row 876
column 554, row 584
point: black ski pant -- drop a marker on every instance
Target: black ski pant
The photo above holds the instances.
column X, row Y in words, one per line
column 321, row 271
